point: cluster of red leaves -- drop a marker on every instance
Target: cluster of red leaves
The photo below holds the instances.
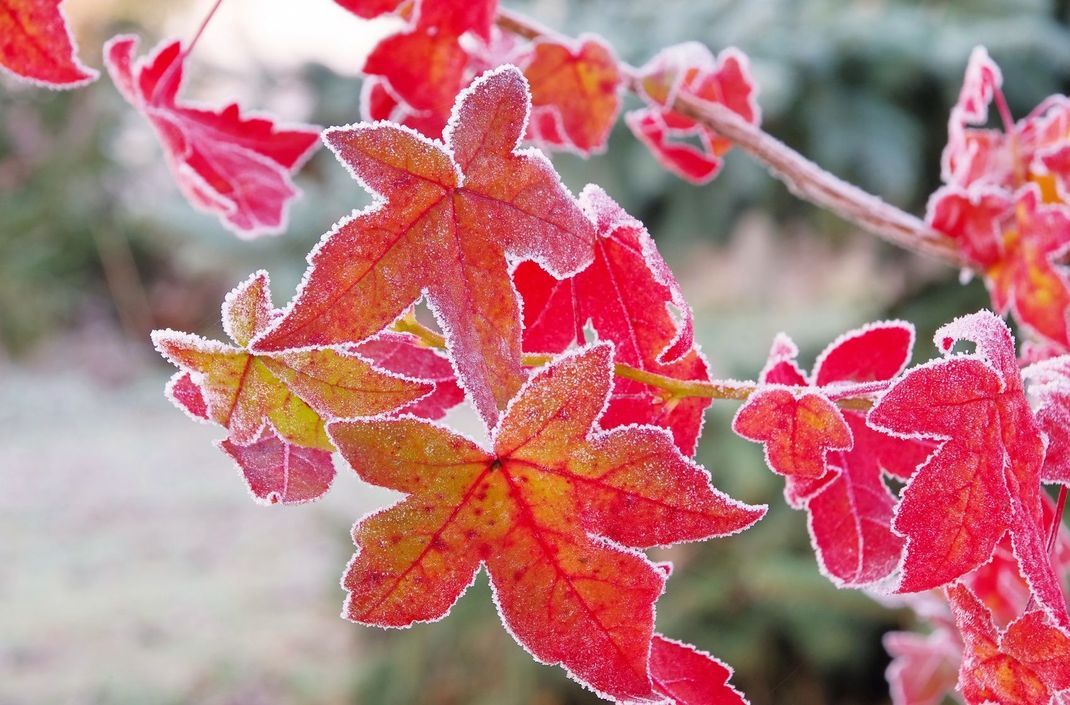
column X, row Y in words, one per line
column 691, row 70
column 582, row 472
column 832, row 459
column 926, row 668
column 1005, row 201
column 972, row 517
column 412, row 76
column 584, row 469
column 274, row 407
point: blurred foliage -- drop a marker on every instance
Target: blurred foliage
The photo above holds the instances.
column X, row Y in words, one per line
column 90, row 221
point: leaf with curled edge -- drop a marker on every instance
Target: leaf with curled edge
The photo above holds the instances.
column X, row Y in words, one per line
column 292, row 390
column 686, row 676
column 37, row 46
column 690, row 69
column 798, row 432
column 1028, row 663
column 451, row 214
column 575, row 93
column 842, row 489
column 234, row 166
column 628, row 294
column 556, row 510
column 984, row 480
column 280, row 472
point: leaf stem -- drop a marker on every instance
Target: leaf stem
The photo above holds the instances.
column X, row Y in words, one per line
column 1057, row 520
column 803, row 177
column 200, row 30
column 675, row 388
column 165, row 80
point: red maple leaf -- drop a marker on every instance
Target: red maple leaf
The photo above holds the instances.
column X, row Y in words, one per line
column 798, row 431
column 691, row 69
column 832, row 460
column 237, row 167
column 687, row 676
column 575, row 93
column 278, row 471
column 556, row 511
column 629, row 296
column 425, row 66
column 403, row 354
column 450, row 215
column 36, row 45
column 1026, row 664
column 984, row 480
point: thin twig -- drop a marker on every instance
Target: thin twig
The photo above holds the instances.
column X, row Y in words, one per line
column 803, row 177
column 674, row 388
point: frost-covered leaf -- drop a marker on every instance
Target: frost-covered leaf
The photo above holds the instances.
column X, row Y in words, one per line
column 798, row 431
column 403, row 354
column 294, row 391
column 36, row 45
column 1026, row 664
column 450, row 215
column 834, row 468
column 235, row 166
column 1050, row 386
column 575, row 93
column 690, row 69
column 425, row 66
column 629, row 296
column 1017, row 244
column 280, row 472
column 984, row 480
column 556, row 511
column 686, row 676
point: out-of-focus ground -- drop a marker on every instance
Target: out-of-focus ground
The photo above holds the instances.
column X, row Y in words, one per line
column 136, row 568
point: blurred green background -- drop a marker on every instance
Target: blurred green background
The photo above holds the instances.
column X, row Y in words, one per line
column 134, row 568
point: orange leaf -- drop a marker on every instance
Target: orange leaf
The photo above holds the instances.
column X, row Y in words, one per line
column 453, row 213
column 575, row 93
column 555, row 511
column 293, row 390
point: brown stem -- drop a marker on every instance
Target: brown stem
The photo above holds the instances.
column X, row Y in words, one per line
column 803, row 177
column 675, row 388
